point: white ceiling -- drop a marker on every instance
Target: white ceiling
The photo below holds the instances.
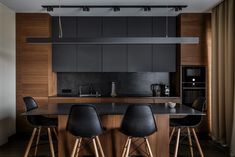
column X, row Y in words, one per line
column 35, row 6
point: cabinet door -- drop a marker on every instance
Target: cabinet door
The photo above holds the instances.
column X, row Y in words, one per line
column 68, row 27
column 163, row 26
column 114, row 58
column 139, row 58
column 114, row 27
column 164, row 58
column 89, row 58
column 139, row 26
column 89, row 27
column 64, row 58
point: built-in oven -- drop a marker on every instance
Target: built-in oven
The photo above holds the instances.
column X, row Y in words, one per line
column 193, row 83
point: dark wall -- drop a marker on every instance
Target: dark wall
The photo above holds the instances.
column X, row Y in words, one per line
column 127, row 83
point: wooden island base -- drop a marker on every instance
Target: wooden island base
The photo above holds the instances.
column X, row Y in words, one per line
column 113, row 141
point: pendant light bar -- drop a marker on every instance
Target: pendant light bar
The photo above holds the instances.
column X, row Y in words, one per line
column 116, row 40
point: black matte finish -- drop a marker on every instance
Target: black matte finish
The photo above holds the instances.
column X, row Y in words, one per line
column 64, row 58
column 164, row 58
column 37, row 120
column 191, row 120
column 126, row 83
column 144, row 57
column 89, row 58
column 114, row 58
column 83, row 121
column 139, row 58
column 138, row 121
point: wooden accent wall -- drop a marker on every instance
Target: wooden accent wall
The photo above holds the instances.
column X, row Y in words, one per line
column 34, row 75
column 194, row 25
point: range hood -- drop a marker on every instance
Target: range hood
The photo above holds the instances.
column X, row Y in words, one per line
column 116, row 40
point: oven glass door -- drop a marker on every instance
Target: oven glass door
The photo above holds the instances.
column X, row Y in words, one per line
column 189, row 95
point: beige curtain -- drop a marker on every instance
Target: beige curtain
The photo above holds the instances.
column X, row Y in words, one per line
column 223, row 73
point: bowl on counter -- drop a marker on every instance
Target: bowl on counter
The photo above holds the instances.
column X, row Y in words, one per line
column 171, row 105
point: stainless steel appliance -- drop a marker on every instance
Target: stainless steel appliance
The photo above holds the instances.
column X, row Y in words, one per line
column 193, row 83
column 160, row 90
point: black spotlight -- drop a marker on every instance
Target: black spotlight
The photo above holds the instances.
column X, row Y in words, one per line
column 116, row 9
column 147, row 8
column 85, row 8
column 50, row 9
column 178, row 9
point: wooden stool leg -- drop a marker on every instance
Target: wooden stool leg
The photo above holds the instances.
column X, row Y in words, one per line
column 99, row 146
column 198, row 144
column 37, row 142
column 79, row 146
column 190, row 142
column 172, row 133
column 74, row 148
column 95, row 146
column 55, row 132
column 148, row 145
column 51, row 142
column 128, row 148
column 125, row 147
column 30, row 143
column 177, row 143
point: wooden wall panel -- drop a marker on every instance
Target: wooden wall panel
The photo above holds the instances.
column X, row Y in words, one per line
column 194, row 25
column 34, row 75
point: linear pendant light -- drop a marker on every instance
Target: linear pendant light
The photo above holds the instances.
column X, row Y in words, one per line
column 116, row 40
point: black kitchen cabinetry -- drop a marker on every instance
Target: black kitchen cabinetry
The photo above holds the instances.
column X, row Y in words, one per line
column 114, row 58
column 64, row 58
column 89, row 58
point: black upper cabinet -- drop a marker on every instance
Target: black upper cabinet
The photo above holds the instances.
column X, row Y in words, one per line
column 139, row 26
column 114, row 27
column 89, row 27
column 139, row 58
column 163, row 26
column 89, row 58
column 114, row 58
column 164, row 58
column 64, row 58
column 68, row 24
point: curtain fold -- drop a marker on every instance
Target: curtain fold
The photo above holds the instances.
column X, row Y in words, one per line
column 223, row 74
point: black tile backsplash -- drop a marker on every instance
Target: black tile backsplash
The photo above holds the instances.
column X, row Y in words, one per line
column 126, row 83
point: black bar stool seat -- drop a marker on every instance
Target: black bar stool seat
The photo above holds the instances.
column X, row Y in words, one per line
column 138, row 122
column 39, row 122
column 84, row 122
column 189, row 122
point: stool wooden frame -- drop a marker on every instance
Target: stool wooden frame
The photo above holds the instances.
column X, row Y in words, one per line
column 189, row 129
column 95, row 140
column 126, row 149
column 37, row 130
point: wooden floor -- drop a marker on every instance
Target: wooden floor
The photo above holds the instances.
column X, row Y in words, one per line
column 17, row 144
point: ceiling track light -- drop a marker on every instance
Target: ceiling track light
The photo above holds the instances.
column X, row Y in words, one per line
column 86, row 8
column 147, row 8
column 115, row 9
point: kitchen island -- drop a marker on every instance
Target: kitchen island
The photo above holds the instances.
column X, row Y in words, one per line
column 111, row 115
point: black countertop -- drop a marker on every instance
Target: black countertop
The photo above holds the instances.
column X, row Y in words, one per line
column 112, row 109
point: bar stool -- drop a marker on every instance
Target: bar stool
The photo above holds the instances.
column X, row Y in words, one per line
column 84, row 122
column 39, row 122
column 138, row 122
column 189, row 122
